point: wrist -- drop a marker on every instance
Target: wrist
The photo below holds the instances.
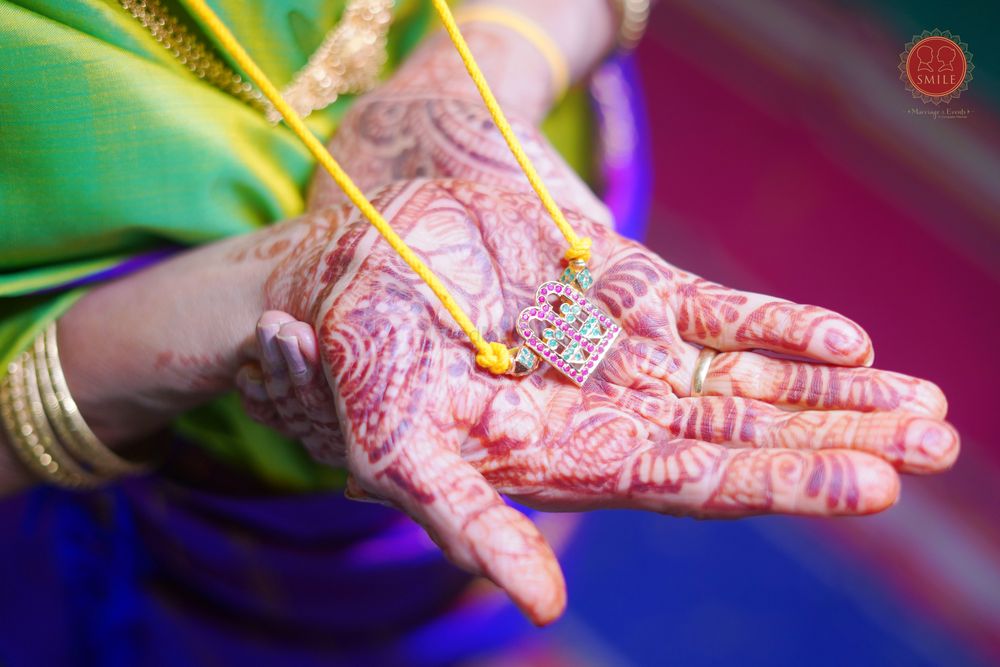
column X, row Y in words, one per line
column 295, row 282
column 140, row 350
column 584, row 30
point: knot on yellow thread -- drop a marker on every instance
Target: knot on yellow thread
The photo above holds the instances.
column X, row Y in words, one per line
column 580, row 249
column 495, row 358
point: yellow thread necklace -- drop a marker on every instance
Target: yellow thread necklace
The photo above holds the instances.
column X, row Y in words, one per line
column 561, row 326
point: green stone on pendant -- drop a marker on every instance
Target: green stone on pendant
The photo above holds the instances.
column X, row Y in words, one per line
column 573, row 354
column 552, row 337
column 591, row 329
column 581, row 280
column 526, row 358
column 569, row 312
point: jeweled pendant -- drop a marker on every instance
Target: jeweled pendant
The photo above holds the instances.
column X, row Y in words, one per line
column 566, row 329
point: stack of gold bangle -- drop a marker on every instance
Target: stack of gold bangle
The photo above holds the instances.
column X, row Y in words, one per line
column 44, row 425
column 634, row 19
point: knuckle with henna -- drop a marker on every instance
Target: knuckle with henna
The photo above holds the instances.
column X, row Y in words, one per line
column 671, row 477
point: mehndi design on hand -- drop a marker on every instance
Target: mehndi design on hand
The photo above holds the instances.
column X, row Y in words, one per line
column 414, row 430
column 417, row 427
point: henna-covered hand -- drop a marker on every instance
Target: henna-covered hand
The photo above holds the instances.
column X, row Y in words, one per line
column 388, row 386
column 398, row 400
column 428, row 121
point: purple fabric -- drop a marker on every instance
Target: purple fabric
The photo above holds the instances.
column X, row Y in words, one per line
column 185, row 568
column 123, row 268
column 625, row 159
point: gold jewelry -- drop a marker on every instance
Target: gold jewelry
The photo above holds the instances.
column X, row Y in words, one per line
column 565, row 329
column 348, row 61
column 701, row 368
column 17, row 423
column 44, row 424
column 187, row 48
column 524, row 26
column 634, row 19
column 65, row 417
column 31, row 437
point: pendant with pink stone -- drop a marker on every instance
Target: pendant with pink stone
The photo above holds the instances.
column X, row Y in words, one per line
column 565, row 329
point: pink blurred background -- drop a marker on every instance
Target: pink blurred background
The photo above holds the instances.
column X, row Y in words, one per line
column 787, row 160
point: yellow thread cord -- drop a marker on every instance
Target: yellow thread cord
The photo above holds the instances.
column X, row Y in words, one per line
column 579, row 248
column 495, row 357
column 528, row 29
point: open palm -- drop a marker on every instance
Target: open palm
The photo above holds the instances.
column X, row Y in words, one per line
column 388, row 387
column 403, row 406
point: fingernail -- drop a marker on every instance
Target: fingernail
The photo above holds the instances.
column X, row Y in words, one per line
column 353, row 491
column 879, row 486
column 253, row 374
column 265, row 336
column 251, row 383
column 297, row 367
column 848, row 340
column 935, row 443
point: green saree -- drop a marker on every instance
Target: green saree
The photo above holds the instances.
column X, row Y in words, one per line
column 110, row 147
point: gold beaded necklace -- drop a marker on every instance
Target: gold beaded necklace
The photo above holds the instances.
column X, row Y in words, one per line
column 186, row 47
column 347, row 62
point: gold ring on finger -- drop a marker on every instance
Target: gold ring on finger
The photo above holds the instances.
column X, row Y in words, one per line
column 701, row 368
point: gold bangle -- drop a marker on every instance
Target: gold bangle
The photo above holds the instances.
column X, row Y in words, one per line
column 19, row 433
column 75, row 475
column 65, row 417
column 31, row 437
column 524, row 26
column 634, row 17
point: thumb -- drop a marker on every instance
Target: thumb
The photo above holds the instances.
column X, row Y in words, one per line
column 427, row 478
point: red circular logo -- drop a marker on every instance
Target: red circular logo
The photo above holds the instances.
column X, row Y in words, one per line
column 936, row 66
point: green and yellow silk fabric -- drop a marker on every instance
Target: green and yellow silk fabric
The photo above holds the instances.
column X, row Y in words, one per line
column 110, row 147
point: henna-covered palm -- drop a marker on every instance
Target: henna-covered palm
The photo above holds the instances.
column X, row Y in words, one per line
column 421, row 427
column 389, row 387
